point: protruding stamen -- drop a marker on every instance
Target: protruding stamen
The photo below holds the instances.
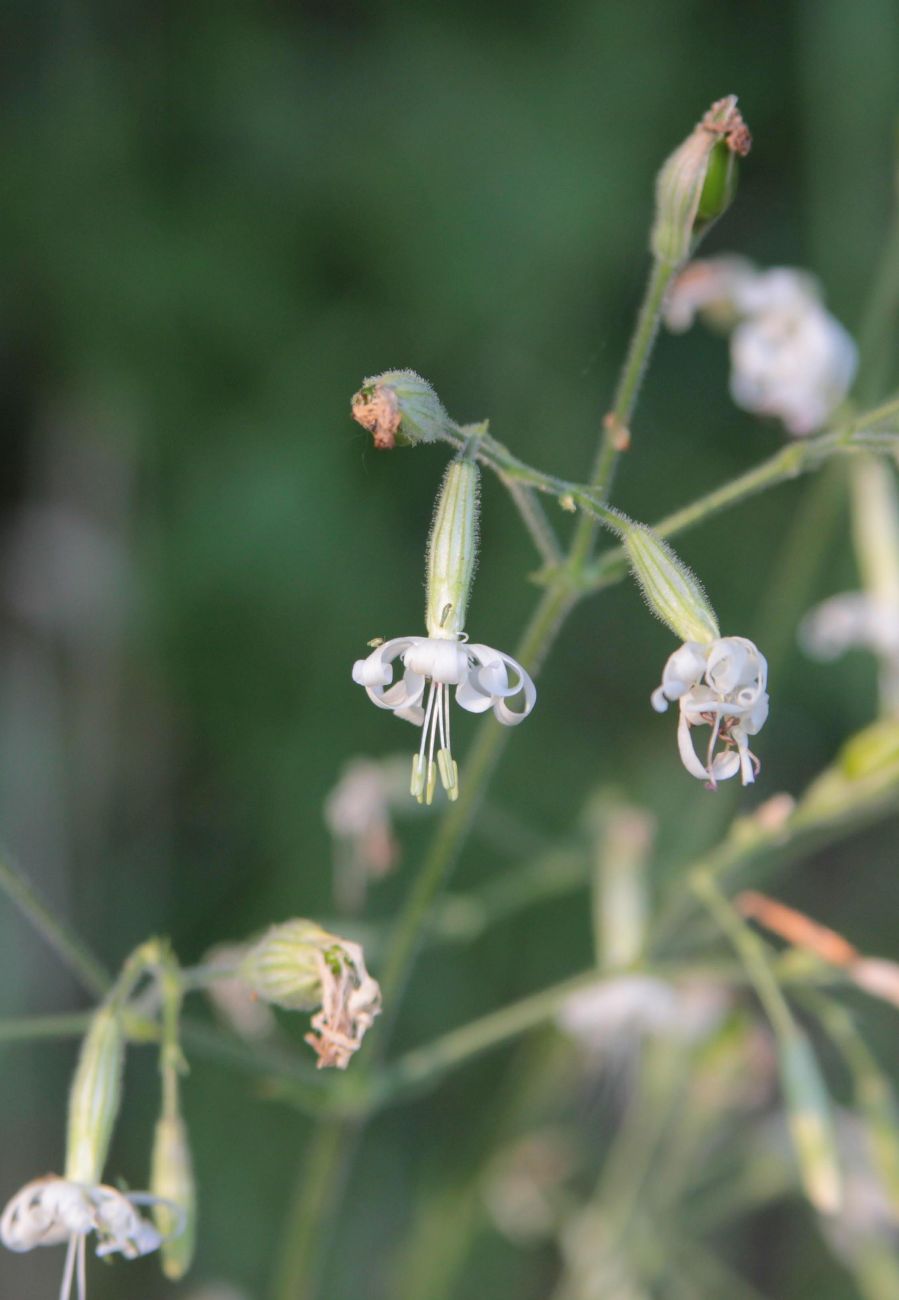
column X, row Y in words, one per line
column 418, row 777
column 432, row 783
column 445, row 766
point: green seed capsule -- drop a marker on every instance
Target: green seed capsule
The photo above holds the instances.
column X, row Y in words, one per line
column 172, row 1179
column 94, row 1097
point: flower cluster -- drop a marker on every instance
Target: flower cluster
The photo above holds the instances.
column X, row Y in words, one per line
column 723, row 685
column 790, row 357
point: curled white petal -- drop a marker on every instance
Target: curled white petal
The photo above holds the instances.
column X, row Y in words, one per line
column 376, row 674
column 498, row 677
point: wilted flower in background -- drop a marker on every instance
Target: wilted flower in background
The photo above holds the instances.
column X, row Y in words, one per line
column 300, row 966
column 789, row 357
column 722, row 685
column 52, row 1210
column 357, row 812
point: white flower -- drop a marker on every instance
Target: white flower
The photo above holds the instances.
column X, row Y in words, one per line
column 53, row 1210
column 721, row 684
column 867, row 619
column 789, row 357
column 483, row 679
column 634, row 1006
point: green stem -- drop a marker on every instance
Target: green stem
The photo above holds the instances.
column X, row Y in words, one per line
column 417, row 1068
column 878, row 329
column 616, row 426
column 65, row 943
column 535, row 520
column 750, row 950
column 29, row 1028
column 321, row 1176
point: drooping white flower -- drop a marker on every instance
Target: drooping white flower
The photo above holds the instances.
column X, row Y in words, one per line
column 481, row 677
column 444, row 660
column 721, row 684
column 790, row 358
column 53, row 1210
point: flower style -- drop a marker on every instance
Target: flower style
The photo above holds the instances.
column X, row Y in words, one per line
column 483, row 678
column 790, row 357
column 51, row 1210
column 721, row 684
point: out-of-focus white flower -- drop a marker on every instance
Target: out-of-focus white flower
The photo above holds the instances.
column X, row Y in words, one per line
column 721, row 684
column 52, row 1210
column 626, row 1007
column 867, row 619
column 789, row 357
column 868, row 1214
column 523, row 1185
column 357, row 812
column 596, row 1262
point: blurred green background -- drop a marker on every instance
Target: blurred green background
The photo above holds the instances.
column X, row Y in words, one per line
column 217, row 218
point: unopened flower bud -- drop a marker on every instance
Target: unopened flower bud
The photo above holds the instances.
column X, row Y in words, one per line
column 671, row 590
column 172, row 1180
column 94, row 1097
column 697, row 183
column 284, row 968
column 399, row 408
column 811, row 1124
column 452, row 549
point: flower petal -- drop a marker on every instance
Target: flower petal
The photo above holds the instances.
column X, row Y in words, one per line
column 496, row 677
column 376, row 673
column 686, row 750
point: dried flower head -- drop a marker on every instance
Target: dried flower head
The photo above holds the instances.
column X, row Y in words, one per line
column 300, row 966
column 697, row 182
column 399, row 408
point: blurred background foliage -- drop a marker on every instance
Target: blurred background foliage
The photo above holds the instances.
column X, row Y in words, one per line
column 216, row 219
